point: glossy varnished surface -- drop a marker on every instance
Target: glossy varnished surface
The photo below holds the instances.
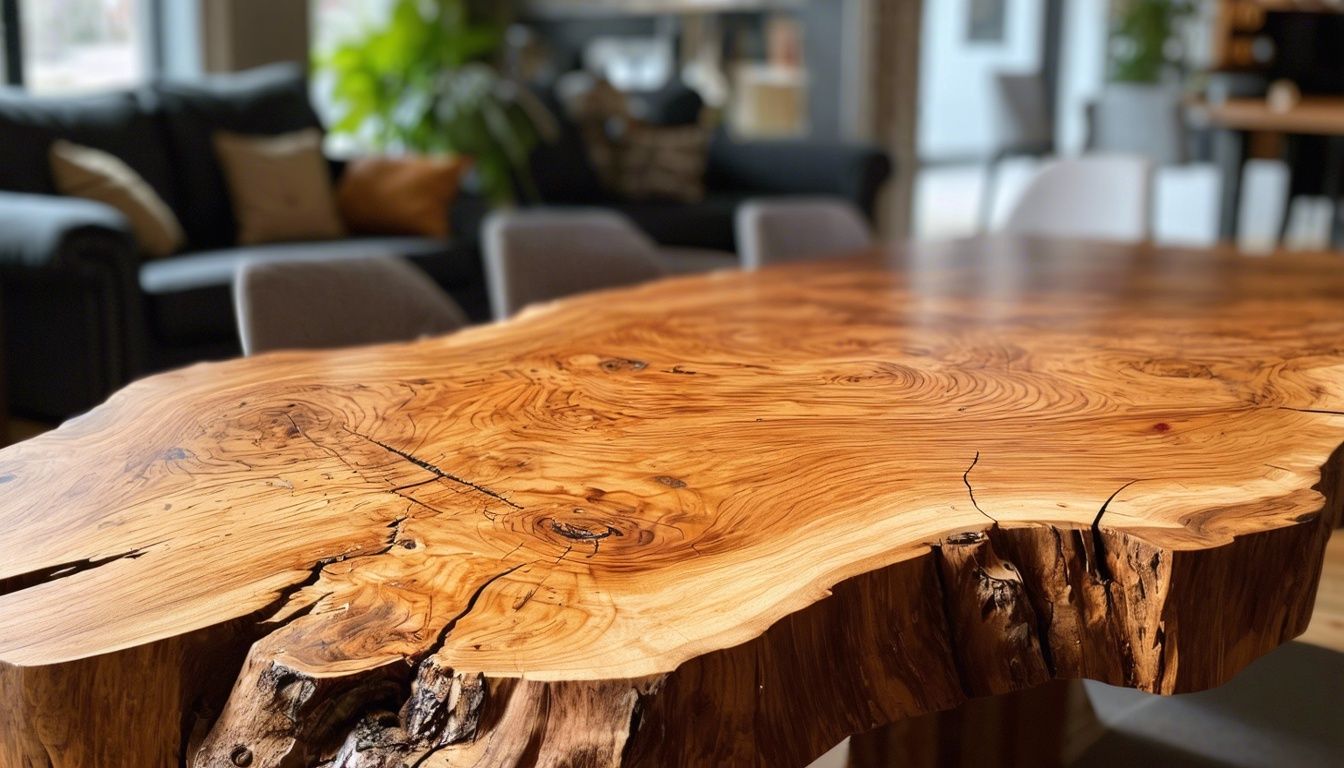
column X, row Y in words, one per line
column 610, row 488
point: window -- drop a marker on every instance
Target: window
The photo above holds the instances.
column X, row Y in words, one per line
column 335, row 20
column 79, row 45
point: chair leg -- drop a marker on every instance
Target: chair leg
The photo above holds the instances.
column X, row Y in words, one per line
column 989, row 191
column 1283, row 220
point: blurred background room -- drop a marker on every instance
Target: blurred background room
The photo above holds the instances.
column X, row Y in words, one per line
column 929, row 119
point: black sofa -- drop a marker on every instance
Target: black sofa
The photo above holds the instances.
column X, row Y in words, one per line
column 84, row 312
column 736, row 171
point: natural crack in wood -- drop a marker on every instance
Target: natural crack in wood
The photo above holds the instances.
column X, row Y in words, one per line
column 48, row 574
column 436, row 471
column 966, row 478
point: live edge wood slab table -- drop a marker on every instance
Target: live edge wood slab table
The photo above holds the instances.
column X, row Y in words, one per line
column 717, row 520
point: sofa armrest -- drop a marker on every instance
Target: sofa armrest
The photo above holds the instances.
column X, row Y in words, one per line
column 48, row 231
column 851, row 171
column 69, row 275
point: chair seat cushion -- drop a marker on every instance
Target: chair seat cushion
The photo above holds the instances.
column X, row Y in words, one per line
column 189, row 299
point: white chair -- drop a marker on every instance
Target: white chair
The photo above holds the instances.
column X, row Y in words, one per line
column 798, row 229
column 544, row 254
column 1098, row 197
column 1026, row 130
column 306, row 304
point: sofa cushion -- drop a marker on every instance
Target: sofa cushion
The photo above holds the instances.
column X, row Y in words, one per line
column 561, row 170
column 704, row 224
column 673, row 104
column 189, row 298
column 267, row 101
column 113, row 122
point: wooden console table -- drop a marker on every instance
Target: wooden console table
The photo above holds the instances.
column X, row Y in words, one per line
column 1234, row 118
column 716, row 520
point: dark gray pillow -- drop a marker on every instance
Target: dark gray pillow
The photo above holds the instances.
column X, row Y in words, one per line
column 265, row 101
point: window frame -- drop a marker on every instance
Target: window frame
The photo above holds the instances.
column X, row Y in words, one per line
column 11, row 21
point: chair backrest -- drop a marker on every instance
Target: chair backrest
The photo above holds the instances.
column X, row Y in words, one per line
column 338, row 303
column 546, row 253
column 1024, row 114
column 798, row 229
column 1099, row 197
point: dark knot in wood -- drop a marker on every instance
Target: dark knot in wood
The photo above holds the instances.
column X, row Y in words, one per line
column 579, row 533
column 614, row 364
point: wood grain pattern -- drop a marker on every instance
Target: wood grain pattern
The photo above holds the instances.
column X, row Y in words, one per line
column 718, row 520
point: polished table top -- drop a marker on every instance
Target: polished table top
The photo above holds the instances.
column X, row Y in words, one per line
column 711, row 520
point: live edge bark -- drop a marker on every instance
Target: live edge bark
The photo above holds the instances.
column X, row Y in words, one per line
column 721, row 521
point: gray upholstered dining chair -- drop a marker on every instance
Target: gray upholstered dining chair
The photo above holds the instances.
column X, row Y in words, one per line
column 798, row 229
column 338, row 303
column 547, row 253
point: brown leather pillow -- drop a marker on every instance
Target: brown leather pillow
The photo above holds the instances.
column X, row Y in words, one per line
column 280, row 187
column 93, row 174
column 400, row 195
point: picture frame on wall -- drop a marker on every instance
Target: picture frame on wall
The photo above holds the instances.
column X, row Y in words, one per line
column 986, row 21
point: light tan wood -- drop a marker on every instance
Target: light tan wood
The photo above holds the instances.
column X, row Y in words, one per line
column 1320, row 115
column 718, row 520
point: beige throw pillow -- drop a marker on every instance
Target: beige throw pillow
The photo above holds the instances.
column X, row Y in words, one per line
column 280, row 187
column 93, row 174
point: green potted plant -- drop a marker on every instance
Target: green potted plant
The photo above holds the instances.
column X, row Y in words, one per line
column 1139, row 108
column 422, row 82
column 1144, row 45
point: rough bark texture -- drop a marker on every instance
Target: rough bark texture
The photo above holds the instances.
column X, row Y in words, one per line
column 720, row 520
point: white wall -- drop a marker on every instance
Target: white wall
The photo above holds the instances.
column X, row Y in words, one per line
column 958, row 115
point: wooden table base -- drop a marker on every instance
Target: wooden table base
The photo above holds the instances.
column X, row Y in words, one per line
column 1015, row 730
